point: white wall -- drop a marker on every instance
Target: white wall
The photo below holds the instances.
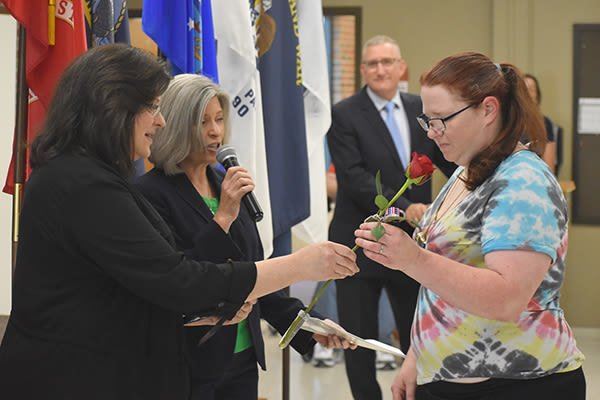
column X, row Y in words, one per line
column 8, row 40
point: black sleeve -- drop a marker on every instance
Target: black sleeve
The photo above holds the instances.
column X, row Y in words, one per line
column 107, row 227
column 209, row 241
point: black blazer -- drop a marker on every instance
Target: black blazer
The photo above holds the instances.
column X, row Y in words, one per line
column 360, row 145
column 98, row 291
column 200, row 237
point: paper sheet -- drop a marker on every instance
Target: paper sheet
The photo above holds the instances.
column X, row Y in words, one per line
column 322, row 327
column 589, row 116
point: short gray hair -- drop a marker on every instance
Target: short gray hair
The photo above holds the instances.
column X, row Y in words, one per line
column 183, row 105
column 380, row 39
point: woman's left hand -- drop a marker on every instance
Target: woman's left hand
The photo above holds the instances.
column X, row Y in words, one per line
column 240, row 315
column 334, row 341
column 395, row 249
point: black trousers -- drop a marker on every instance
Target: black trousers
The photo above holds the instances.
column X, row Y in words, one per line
column 358, row 305
column 567, row 385
column 240, row 382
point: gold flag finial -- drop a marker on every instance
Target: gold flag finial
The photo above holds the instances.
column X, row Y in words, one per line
column 51, row 22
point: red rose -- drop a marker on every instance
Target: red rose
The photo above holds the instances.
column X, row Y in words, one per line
column 420, row 167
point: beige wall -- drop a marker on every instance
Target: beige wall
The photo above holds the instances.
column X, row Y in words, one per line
column 537, row 36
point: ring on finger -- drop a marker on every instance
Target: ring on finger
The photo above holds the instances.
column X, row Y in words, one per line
column 381, row 249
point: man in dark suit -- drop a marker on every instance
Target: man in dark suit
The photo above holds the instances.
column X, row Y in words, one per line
column 362, row 141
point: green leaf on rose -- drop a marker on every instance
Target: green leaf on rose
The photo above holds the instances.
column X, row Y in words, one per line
column 378, row 183
column 378, row 231
column 381, row 202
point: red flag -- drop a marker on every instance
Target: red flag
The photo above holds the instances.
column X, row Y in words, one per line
column 46, row 62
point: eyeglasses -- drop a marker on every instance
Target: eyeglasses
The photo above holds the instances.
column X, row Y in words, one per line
column 385, row 63
column 153, row 108
column 438, row 124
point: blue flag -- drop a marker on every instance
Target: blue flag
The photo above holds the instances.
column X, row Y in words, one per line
column 183, row 31
column 283, row 113
column 209, row 45
column 106, row 21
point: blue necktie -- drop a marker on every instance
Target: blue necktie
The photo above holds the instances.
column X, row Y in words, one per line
column 392, row 126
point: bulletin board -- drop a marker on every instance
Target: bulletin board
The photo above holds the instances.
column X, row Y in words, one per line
column 586, row 124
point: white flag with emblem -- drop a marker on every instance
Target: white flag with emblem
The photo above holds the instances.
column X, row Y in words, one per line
column 239, row 77
column 317, row 110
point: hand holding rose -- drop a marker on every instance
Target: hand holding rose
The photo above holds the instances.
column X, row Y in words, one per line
column 405, row 250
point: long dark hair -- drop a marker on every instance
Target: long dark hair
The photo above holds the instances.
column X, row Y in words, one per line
column 95, row 103
column 473, row 77
column 538, row 91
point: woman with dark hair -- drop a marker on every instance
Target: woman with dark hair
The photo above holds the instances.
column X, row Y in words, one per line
column 551, row 154
column 201, row 203
column 99, row 288
column 490, row 252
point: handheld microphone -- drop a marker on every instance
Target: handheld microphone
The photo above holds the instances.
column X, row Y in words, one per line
column 227, row 157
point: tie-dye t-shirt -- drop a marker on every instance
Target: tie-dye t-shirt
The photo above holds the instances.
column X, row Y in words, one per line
column 520, row 207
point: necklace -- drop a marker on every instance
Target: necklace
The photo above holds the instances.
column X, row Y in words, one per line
column 421, row 237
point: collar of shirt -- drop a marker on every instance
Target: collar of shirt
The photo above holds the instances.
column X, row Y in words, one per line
column 380, row 102
column 399, row 113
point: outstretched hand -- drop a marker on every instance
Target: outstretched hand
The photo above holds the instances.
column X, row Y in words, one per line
column 334, row 341
column 326, row 260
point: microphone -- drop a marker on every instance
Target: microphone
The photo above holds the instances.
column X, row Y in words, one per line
column 227, row 157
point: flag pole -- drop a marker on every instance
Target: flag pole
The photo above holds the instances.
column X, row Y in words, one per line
column 285, row 367
column 20, row 140
column 51, row 22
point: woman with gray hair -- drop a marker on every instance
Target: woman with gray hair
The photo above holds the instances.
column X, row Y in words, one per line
column 201, row 204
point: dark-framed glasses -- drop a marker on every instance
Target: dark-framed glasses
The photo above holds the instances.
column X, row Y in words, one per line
column 385, row 63
column 438, row 124
column 153, row 108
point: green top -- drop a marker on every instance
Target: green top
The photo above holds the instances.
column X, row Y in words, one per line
column 243, row 340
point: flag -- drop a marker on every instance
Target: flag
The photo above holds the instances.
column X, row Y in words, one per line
column 317, row 116
column 239, row 77
column 106, row 21
column 45, row 62
column 183, row 31
column 283, row 110
column 209, row 45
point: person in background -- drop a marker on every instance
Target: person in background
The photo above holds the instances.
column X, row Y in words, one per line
column 201, row 204
column 331, row 184
column 376, row 130
column 552, row 153
column 490, row 254
column 99, row 288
